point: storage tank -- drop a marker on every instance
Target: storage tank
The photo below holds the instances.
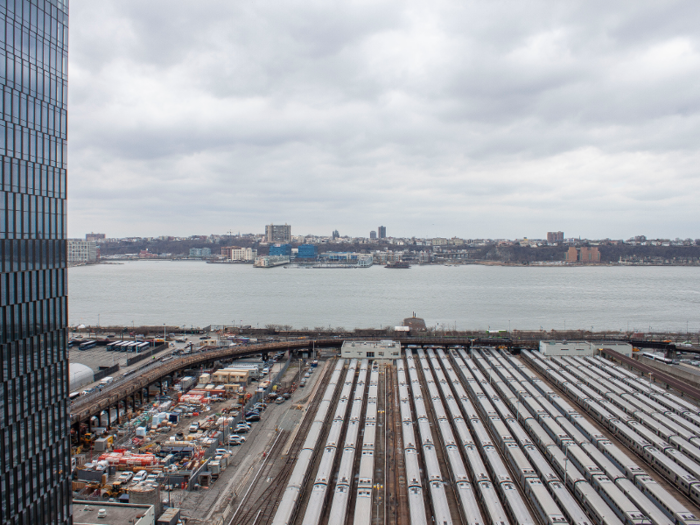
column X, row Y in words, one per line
column 146, row 495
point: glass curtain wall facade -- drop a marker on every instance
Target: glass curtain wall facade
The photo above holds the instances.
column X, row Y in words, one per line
column 34, row 407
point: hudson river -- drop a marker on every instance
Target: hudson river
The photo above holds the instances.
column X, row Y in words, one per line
column 472, row 297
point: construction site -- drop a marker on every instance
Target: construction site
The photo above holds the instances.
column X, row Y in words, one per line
column 430, row 433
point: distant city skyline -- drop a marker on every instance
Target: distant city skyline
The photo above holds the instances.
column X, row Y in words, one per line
column 265, row 237
column 456, row 119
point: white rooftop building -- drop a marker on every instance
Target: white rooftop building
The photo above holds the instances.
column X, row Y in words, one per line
column 582, row 348
column 371, row 349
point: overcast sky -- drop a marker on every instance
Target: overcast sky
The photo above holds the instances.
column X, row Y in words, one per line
column 469, row 119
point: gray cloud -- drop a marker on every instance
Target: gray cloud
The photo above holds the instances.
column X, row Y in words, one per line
column 478, row 119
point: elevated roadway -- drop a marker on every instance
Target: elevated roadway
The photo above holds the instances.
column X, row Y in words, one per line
column 82, row 409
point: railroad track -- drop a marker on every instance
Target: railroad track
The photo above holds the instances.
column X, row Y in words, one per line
column 396, row 502
column 245, row 513
column 262, row 510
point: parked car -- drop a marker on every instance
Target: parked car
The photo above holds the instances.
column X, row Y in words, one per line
column 252, row 413
column 194, row 427
column 140, row 476
column 223, row 451
column 254, row 417
column 152, row 479
column 287, row 395
column 125, row 477
column 241, row 430
column 235, row 440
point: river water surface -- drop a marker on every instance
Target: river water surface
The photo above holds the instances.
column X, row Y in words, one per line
column 470, row 297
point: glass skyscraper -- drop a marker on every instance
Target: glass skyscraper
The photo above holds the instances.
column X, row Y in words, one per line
column 34, row 408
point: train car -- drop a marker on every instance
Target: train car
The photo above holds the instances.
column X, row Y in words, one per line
column 669, row 397
column 339, row 504
column 454, row 458
column 416, row 506
column 607, row 466
column 555, row 431
column 441, row 509
column 542, row 439
column 480, row 433
column 674, row 427
column 518, row 463
column 363, row 507
column 686, row 447
column 684, row 461
column 683, row 422
column 495, row 513
column 467, row 497
column 649, row 436
column 629, row 437
column 582, row 461
column 499, row 472
column 432, row 465
column 586, row 428
column 315, row 505
column 668, row 504
column 462, row 429
column 500, row 430
column 515, row 507
column 541, row 465
column 618, row 502
column 564, row 468
column 621, row 460
column 519, row 433
column 476, row 464
column 562, row 405
column 672, row 471
column 600, row 511
column 543, row 503
column 636, row 496
column 570, row 507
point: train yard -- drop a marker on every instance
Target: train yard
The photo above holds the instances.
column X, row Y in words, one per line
column 445, row 436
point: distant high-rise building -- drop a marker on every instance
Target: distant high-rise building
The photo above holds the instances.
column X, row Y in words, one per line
column 34, row 404
column 336, row 235
column 584, row 255
column 236, row 253
column 80, row 251
column 307, row 251
column 555, row 236
column 373, row 235
column 382, row 232
column 95, row 236
column 277, row 233
column 281, row 250
column 200, row 252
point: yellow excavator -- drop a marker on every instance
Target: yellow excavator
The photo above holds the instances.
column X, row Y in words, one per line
column 115, row 490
